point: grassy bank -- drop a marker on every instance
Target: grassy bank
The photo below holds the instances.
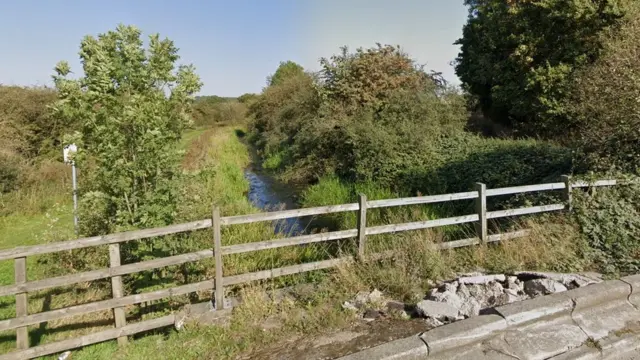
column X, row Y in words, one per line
column 213, row 175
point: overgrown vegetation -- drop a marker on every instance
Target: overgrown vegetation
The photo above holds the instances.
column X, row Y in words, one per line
column 371, row 121
column 404, row 130
column 518, row 57
column 216, row 111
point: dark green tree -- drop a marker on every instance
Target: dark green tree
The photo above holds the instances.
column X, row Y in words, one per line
column 286, row 70
column 518, row 56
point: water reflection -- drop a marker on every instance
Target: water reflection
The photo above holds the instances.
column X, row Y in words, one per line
column 269, row 195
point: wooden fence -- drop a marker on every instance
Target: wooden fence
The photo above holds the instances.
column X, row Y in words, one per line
column 115, row 271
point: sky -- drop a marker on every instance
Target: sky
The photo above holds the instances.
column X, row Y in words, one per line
column 234, row 44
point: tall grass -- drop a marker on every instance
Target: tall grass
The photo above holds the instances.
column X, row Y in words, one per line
column 214, row 176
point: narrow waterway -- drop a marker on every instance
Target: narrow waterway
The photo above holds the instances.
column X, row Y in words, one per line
column 269, row 194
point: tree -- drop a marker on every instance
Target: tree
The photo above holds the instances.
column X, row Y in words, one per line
column 132, row 105
column 518, row 56
column 604, row 103
column 368, row 77
column 286, row 70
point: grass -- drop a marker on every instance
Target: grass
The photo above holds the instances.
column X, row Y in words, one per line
column 213, row 176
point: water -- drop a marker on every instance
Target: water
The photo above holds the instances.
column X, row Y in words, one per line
column 268, row 194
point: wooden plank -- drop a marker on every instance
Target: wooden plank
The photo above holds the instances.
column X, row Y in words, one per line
column 509, row 235
column 286, row 214
column 582, row 184
column 105, row 335
column 217, row 252
column 104, row 305
column 458, row 243
column 525, row 189
column 362, row 225
column 481, row 208
column 105, row 273
column 421, row 200
column 22, row 306
column 383, row 229
column 524, row 211
column 116, row 291
column 568, row 198
column 24, row 251
column 298, row 240
column 491, row 238
column 287, row 270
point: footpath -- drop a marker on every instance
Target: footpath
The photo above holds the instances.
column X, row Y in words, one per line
column 598, row 321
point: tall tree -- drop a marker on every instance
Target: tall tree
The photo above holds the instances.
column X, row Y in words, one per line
column 286, row 70
column 518, row 56
column 132, row 104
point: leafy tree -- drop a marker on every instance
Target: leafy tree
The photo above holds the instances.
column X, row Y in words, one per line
column 132, row 105
column 286, row 70
column 248, row 98
column 604, row 103
column 369, row 77
column 518, row 56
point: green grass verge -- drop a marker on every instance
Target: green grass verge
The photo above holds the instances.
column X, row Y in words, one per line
column 214, row 163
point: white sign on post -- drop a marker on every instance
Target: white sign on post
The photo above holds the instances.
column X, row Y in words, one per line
column 68, row 151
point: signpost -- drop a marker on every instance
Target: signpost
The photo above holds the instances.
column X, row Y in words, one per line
column 68, row 153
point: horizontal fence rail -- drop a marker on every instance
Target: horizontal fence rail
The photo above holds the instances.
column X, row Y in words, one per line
column 115, row 271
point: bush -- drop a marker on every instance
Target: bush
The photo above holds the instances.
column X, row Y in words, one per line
column 26, row 126
column 403, row 130
column 518, row 57
column 215, row 111
column 11, row 171
column 610, row 221
column 604, row 102
column 280, row 112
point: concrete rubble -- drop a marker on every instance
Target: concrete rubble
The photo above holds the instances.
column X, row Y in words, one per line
column 576, row 321
column 469, row 295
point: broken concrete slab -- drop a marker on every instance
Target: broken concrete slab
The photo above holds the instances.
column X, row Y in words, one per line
column 411, row 348
column 476, row 351
column 603, row 308
column 584, row 352
column 436, row 310
column 530, row 310
column 481, row 279
column 626, row 346
column 599, row 321
column 600, row 293
column 634, row 285
column 571, row 281
column 463, row 332
column 544, row 339
column 538, row 287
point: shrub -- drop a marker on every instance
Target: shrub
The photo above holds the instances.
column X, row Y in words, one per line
column 286, row 70
column 26, row 126
column 368, row 77
column 11, row 171
column 610, row 221
column 518, row 57
column 215, row 111
column 604, row 103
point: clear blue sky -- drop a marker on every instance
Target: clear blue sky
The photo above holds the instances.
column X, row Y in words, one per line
column 234, row 44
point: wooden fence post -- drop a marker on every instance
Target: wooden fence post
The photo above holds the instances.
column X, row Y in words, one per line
column 362, row 226
column 116, row 291
column 481, row 209
column 217, row 252
column 22, row 333
column 567, row 191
